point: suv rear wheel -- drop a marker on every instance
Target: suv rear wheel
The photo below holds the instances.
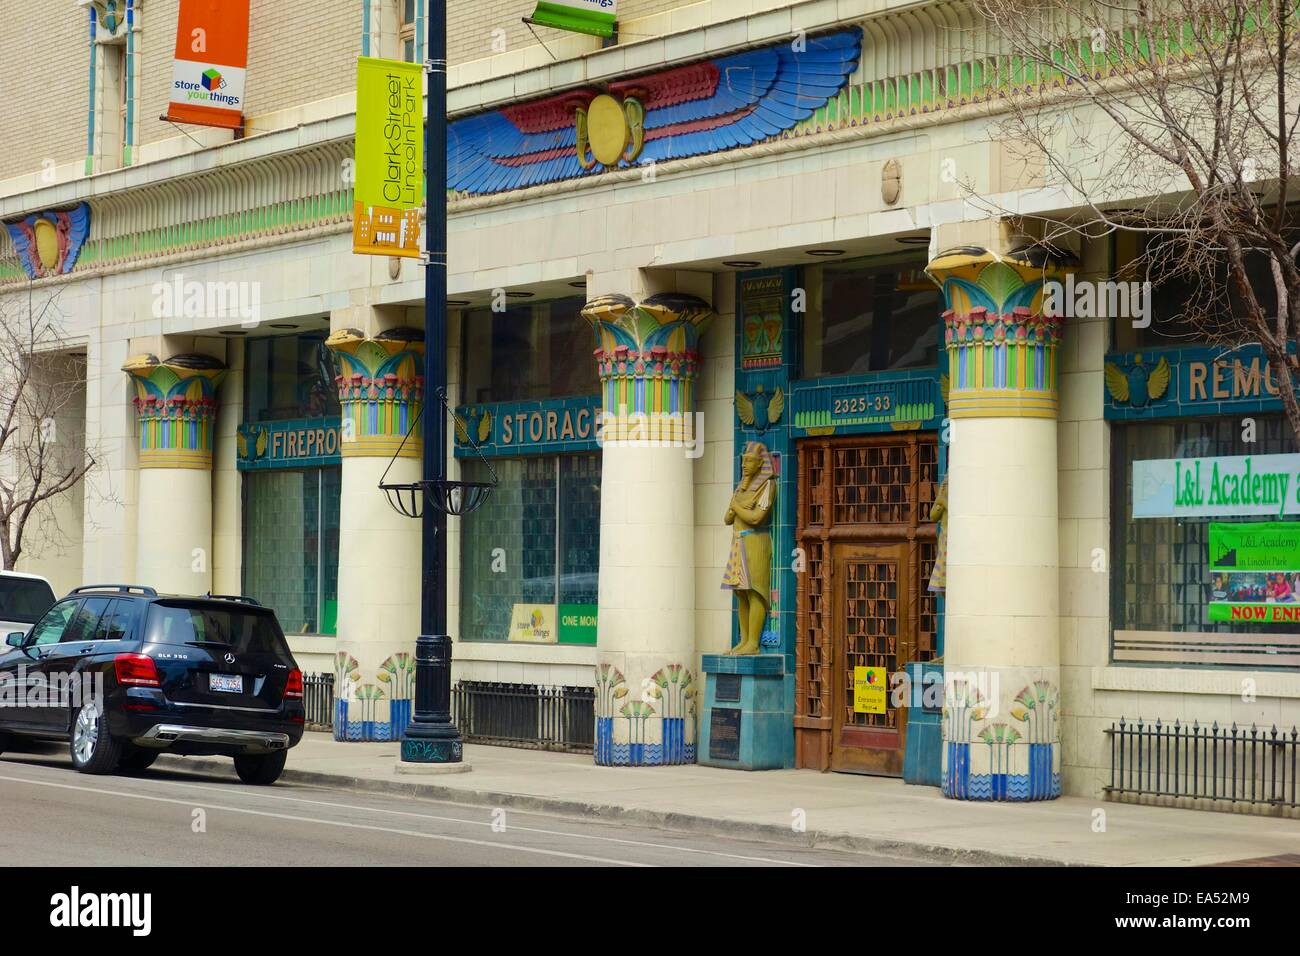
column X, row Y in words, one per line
column 260, row 769
column 93, row 748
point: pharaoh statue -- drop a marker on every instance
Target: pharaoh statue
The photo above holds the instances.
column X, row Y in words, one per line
column 749, row 565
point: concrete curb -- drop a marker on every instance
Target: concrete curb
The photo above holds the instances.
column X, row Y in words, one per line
column 611, row 813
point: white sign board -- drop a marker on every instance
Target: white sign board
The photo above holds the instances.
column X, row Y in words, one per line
column 1213, row 487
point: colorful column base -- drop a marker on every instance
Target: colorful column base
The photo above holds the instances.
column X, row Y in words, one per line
column 999, row 743
column 658, row 729
column 673, row 748
column 1022, row 772
column 373, row 704
column 359, row 720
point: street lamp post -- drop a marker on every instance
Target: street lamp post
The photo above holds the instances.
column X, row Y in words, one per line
column 431, row 737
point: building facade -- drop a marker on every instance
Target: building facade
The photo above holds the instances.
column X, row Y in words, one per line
column 735, row 224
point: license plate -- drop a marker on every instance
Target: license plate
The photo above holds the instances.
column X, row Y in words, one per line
column 230, row 683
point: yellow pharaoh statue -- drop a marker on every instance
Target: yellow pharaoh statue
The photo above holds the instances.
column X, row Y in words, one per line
column 749, row 566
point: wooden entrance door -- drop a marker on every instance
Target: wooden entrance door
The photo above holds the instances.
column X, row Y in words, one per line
column 868, row 546
column 870, row 628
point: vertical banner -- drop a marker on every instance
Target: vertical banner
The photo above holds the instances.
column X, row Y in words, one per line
column 209, row 63
column 389, row 152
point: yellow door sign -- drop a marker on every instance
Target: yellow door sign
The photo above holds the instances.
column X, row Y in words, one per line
column 869, row 689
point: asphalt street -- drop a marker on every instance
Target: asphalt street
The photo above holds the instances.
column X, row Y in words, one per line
column 54, row 816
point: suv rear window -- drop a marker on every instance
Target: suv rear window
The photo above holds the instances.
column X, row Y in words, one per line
column 245, row 631
column 24, row 600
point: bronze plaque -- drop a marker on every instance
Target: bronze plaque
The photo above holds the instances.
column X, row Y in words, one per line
column 727, row 687
column 724, row 733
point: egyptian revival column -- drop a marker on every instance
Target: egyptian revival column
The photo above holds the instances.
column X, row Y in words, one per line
column 381, row 391
column 176, row 413
column 1001, row 643
column 646, row 686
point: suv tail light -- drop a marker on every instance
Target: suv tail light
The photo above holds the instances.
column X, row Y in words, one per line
column 293, row 686
column 137, row 670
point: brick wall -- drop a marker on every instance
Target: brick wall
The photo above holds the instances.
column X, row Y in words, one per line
column 44, row 55
column 297, row 53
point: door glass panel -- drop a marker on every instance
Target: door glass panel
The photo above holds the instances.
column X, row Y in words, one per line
column 870, row 630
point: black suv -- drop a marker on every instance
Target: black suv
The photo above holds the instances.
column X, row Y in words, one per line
column 124, row 674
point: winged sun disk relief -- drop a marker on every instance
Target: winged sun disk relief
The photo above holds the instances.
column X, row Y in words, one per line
column 703, row 107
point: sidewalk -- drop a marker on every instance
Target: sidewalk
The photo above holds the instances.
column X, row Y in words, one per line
column 873, row 814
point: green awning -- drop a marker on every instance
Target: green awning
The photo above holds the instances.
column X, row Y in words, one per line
column 593, row 17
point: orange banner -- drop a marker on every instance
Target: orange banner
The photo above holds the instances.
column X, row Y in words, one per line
column 209, row 64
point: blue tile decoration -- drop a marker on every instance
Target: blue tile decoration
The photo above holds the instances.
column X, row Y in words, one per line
column 1188, row 381
column 298, row 443
column 876, row 402
column 538, row 427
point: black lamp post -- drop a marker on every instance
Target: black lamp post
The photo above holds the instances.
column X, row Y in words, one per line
column 431, row 737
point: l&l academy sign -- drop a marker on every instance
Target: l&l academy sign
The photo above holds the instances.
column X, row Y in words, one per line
column 1216, row 487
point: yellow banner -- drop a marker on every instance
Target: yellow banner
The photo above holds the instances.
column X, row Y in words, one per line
column 389, row 184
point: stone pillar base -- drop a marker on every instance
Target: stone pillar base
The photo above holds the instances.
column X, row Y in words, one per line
column 745, row 724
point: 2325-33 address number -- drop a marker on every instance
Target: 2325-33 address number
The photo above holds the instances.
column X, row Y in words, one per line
column 862, row 405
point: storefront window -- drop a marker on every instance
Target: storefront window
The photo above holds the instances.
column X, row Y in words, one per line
column 1162, row 579
column 1186, row 305
column 291, row 545
column 291, row 514
column 531, row 556
column 288, row 377
column 870, row 316
column 538, row 350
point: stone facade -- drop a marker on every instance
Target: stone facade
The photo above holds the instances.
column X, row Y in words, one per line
column 678, row 231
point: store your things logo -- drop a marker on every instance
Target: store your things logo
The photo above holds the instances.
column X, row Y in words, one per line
column 209, row 63
column 1213, row 487
column 208, row 89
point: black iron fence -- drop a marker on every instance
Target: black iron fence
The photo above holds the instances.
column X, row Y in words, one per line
column 525, row 715
column 318, row 697
column 491, row 712
column 1182, row 762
